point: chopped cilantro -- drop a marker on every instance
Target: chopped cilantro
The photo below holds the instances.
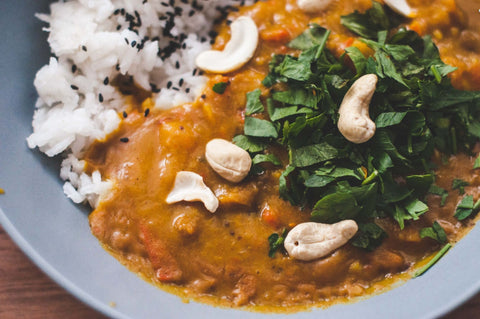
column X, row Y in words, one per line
column 432, row 261
column 254, row 105
column 466, row 208
column 459, row 184
column 435, row 232
column 276, row 242
column 436, row 190
column 220, row 87
column 368, row 24
column 415, row 108
column 369, row 236
column 477, row 163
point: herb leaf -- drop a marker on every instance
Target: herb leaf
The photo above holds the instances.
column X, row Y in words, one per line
column 369, row 236
column 276, row 242
column 220, row 87
column 432, row 261
column 459, row 184
column 435, row 232
column 259, row 128
column 436, row 190
column 466, row 208
column 367, row 25
column 254, row 105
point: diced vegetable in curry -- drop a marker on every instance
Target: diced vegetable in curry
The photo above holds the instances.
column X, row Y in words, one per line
column 276, row 188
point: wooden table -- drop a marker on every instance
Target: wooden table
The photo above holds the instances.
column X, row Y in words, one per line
column 26, row 293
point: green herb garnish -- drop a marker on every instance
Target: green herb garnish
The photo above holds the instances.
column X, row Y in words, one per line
column 477, row 163
column 435, row 232
column 276, row 242
column 415, row 108
column 466, row 208
column 459, row 184
column 432, row 261
column 369, row 236
column 220, row 87
column 436, row 190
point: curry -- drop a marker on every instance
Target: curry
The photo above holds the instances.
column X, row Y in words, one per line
column 222, row 257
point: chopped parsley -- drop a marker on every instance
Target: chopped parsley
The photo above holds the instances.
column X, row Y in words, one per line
column 436, row 190
column 415, row 108
column 435, row 232
column 466, row 208
column 276, row 242
column 477, row 163
column 433, row 261
column 220, row 87
column 460, row 185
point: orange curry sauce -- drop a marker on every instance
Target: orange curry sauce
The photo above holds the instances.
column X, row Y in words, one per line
column 222, row 257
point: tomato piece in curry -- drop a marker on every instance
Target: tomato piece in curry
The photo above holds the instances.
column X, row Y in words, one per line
column 222, row 258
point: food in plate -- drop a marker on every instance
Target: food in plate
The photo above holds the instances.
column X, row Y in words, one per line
column 266, row 155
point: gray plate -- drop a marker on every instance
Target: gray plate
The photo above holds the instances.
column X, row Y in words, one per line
column 54, row 233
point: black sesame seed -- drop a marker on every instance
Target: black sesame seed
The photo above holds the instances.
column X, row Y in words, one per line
column 74, row 87
column 126, row 41
column 124, row 140
column 119, row 27
column 180, row 83
column 106, row 81
column 116, row 12
column 117, row 67
column 176, row 89
column 169, row 84
column 100, row 98
column 134, row 43
column 74, row 68
column 84, row 48
column 203, row 96
column 147, row 111
column 125, row 114
column 164, row 4
column 177, row 65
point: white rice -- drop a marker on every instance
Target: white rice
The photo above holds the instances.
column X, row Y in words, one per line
column 95, row 40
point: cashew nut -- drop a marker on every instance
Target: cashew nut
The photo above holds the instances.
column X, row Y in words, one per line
column 228, row 160
column 400, row 7
column 309, row 241
column 313, row 5
column 238, row 51
column 189, row 187
column 354, row 122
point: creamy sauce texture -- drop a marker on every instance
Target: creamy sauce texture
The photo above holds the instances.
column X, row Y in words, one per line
column 222, row 258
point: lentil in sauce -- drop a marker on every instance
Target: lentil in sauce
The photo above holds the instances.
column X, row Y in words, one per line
column 222, row 258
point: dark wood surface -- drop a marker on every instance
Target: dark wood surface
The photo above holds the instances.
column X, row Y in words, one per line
column 27, row 293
